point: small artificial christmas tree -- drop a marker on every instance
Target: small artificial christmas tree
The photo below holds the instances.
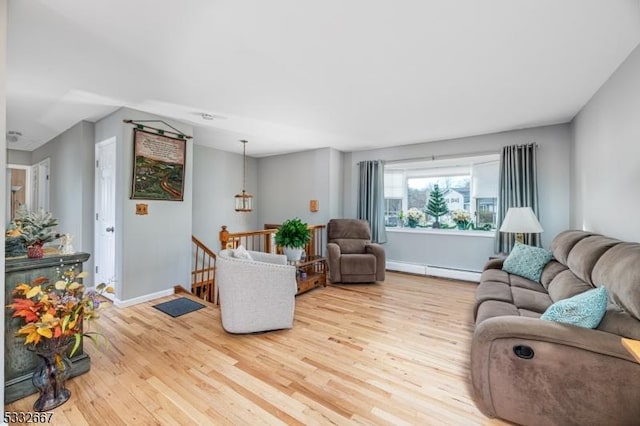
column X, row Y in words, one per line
column 436, row 206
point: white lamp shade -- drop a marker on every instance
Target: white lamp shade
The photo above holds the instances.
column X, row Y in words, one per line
column 521, row 220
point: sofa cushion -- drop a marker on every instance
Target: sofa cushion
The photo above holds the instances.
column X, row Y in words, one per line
column 495, row 308
column 358, row 264
column 521, row 282
column 550, row 271
column 351, row 246
column 241, row 253
column 566, row 285
column 584, row 310
column 619, row 270
column 495, row 275
column 527, row 261
column 563, row 243
column 617, row 321
column 586, row 253
column 530, row 300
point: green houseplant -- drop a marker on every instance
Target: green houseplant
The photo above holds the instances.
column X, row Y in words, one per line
column 292, row 236
column 436, row 206
column 31, row 230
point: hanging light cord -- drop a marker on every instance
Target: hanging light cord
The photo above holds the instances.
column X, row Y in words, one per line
column 244, row 166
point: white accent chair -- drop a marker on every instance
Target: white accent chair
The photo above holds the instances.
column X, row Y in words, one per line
column 255, row 295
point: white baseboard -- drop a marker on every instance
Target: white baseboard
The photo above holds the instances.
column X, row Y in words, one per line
column 410, row 268
column 147, row 297
column 435, row 271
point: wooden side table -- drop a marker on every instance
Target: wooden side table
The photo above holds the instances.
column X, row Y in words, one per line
column 312, row 273
column 633, row 346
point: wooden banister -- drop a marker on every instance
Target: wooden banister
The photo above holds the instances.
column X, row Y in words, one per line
column 263, row 240
column 203, row 282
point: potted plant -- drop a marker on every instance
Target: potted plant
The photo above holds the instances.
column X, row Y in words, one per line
column 36, row 229
column 436, row 206
column 292, row 236
column 53, row 317
column 414, row 217
column 462, row 218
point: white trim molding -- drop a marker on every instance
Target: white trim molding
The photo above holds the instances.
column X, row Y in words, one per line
column 436, row 271
column 147, row 297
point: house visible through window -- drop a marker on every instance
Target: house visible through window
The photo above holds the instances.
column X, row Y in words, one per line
column 469, row 184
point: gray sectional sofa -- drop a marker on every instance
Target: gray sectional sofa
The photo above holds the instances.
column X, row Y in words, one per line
column 536, row 372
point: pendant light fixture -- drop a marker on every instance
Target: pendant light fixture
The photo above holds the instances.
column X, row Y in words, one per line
column 244, row 200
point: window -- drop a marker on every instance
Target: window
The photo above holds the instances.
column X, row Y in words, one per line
column 469, row 184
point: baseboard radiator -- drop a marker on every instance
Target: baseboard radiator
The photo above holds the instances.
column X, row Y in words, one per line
column 436, row 271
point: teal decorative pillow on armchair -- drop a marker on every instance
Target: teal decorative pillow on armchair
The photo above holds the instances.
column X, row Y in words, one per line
column 527, row 261
column 584, row 309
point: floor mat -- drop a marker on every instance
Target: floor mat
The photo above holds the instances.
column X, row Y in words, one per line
column 178, row 307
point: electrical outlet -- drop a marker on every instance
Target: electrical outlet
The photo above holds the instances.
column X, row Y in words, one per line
column 142, row 209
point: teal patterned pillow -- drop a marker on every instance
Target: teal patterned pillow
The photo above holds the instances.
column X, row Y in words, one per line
column 584, row 309
column 527, row 261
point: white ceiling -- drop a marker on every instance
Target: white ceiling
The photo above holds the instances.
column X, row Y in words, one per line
column 291, row 75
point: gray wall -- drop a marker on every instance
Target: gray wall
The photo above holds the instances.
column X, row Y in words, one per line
column 22, row 158
column 71, row 185
column 442, row 250
column 217, row 177
column 286, row 184
column 153, row 251
column 606, row 157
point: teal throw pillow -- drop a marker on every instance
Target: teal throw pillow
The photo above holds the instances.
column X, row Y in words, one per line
column 527, row 261
column 584, row 309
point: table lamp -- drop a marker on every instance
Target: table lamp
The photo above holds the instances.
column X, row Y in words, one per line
column 521, row 220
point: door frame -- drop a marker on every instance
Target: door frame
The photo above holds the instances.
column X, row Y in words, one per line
column 96, row 229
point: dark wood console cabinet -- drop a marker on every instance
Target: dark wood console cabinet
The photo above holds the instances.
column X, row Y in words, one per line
column 19, row 362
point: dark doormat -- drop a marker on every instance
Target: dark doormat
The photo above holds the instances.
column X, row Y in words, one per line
column 178, row 307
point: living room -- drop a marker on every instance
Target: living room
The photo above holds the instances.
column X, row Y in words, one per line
column 586, row 152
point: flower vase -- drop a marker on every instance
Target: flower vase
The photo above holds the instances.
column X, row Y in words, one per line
column 462, row 226
column 35, row 251
column 51, row 374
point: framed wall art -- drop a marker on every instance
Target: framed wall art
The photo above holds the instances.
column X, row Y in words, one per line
column 158, row 166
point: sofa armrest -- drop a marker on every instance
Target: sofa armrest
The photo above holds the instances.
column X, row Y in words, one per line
column 569, row 367
column 493, row 264
column 378, row 251
column 333, row 261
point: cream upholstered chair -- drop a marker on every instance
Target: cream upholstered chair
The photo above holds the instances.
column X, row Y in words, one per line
column 255, row 295
column 351, row 255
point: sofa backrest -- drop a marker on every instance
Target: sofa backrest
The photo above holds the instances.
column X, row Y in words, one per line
column 584, row 260
column 352, row 235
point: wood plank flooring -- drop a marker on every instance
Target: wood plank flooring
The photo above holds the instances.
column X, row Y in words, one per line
column 394, row 353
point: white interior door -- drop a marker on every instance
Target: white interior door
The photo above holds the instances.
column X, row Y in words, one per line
column 40, row 178
column 105, row 206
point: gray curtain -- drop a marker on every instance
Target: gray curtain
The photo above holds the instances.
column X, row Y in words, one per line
column 371, row 198
column 518, row 187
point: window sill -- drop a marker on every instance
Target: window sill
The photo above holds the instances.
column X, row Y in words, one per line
column 449, row 232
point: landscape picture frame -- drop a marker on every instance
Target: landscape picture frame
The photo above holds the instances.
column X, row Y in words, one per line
column 158, row 166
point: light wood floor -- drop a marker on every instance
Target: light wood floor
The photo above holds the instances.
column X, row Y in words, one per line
column 396, row 353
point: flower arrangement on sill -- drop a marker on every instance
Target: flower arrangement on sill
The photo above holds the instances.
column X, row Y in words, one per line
column 414, row 216
column 462, row 218
column 54, row 313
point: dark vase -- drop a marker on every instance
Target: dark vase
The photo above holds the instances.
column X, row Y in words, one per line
column 462, row 225
column 51, row 374
column 436, row 225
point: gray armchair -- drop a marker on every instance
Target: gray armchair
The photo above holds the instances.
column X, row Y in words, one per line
column 351, row 255
column 255, row 295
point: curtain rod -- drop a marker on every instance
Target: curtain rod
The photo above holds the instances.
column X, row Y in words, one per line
column 443, row 157
column 453, row 156
column 140, row 126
